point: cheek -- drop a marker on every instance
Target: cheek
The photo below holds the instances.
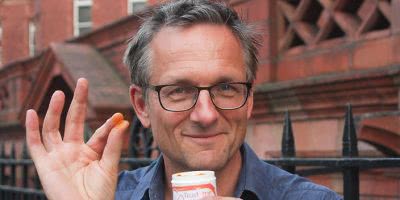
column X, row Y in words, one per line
column 237, row 118
column 241, row 128
column 238, row 123
column 165, row 123
column 167, row 131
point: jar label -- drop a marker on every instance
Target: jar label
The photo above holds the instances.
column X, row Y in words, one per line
column 193, row 192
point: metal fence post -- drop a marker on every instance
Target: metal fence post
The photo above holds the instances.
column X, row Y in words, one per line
column 13, row 181
column 149, row 141
column 2, row 170
column 25, row 168
column 37, row 184
column 351, row 179
column 134, row 138
column 288, row 147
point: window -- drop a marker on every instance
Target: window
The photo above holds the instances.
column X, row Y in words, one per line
column 32, row 38
column 136, row 5
column 82, row 16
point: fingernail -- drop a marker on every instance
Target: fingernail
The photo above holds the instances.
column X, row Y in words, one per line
column 81, row 79
column 117, row 118
column 122, row 124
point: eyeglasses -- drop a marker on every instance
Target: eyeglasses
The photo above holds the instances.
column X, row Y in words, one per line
column 225, row 96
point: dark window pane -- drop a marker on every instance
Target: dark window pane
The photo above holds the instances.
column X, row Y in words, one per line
column 138, row 6
column 84, row 13
column 83, row 30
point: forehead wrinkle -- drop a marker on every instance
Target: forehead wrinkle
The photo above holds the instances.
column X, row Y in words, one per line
column 195, row 48
column 179, row 79
column 168, row 37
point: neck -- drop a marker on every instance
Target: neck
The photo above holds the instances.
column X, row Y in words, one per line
column 227, row 177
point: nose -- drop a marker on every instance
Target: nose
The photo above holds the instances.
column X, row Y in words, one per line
column 204, row 112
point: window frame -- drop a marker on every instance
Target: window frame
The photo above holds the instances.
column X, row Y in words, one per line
column 78, row 25
column 131, row 2
column 32, row 38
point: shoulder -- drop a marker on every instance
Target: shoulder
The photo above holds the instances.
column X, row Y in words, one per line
column 291, row 186
column 134, row 183
column 309, row 190
column 270, row 182
column 128, row 180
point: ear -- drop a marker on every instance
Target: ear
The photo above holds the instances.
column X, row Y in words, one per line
column 139, row 105
column 250, row 100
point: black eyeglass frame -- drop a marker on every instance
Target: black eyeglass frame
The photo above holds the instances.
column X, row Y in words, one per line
column 158, row 88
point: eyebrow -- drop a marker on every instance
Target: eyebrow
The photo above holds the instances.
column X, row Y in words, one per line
column 179, row 82
column 185, row 81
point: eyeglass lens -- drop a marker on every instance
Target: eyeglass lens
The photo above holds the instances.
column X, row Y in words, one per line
column 224, row 96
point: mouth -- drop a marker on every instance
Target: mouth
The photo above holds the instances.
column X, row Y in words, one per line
column 204, row 139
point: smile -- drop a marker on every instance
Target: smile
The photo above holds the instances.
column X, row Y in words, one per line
column 204, row 139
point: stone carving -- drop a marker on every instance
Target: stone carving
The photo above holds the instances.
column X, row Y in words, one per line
column 306, row 23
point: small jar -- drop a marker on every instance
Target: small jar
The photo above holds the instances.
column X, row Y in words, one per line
column 193, row 185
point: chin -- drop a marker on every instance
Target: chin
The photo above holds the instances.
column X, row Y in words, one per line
column 206, row 166
column 207, row 161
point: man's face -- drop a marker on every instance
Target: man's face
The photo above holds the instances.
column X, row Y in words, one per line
column 203, row 137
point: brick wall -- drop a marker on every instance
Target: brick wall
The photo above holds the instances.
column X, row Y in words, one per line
column 14, row 19
column 55, row 22
column 105, row 11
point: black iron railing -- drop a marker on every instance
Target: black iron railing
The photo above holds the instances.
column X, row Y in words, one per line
column 18, row 178
column 29, row 186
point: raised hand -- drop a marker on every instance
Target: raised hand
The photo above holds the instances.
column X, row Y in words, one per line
column 68, row 167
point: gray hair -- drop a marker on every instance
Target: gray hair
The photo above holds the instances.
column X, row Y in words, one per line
column 183, row 13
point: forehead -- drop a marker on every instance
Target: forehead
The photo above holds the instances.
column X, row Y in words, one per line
column 180, row 52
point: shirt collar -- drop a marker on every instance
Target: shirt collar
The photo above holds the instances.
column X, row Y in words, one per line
column 151, row 185
column 157, row 184
column 249, row 180
column 252, row 181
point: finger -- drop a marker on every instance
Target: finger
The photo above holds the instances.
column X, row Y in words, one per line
column 113, row 148
column 99, row 139
column 35, row 145
column 74, row 124
column 51, row 124
column 209, row 198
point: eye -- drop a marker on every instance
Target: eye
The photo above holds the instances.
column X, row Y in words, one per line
column 177, row 92
column 228, row 89
column 225, row 87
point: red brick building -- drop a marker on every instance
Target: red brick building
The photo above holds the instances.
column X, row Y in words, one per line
column 317, row 56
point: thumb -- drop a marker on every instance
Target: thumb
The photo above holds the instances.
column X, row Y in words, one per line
column 112, row 150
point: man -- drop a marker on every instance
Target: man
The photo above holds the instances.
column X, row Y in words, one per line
column 192, row 66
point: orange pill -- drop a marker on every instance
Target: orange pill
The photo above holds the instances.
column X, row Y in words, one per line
column 117, row 118
column 122, row 124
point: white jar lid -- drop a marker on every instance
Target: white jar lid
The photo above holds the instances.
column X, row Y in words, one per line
column 193, row 177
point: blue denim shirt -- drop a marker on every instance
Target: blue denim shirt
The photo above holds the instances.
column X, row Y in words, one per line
column 258, row 180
